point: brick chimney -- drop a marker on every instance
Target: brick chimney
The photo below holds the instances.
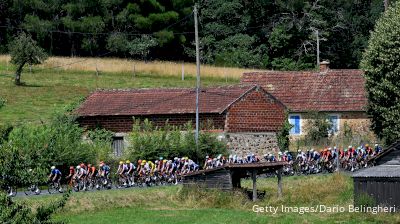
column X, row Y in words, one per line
column 324, row 66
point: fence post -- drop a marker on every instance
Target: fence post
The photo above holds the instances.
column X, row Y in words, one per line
column 133, row 71
column 97, row 70
column 183, row 71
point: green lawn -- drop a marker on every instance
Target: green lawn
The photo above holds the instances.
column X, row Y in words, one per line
column 176, row 205
column 47, row 91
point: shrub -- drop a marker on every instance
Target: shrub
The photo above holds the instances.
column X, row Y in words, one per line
column 100, row 142
column 2, row 102
column 283, row 135
column 317, row 128
column 18, row 212
column 150, row 142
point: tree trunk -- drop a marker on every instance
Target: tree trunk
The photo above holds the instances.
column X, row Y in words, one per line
column 18, row 75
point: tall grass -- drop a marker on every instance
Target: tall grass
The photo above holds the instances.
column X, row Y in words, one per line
column 126, row 65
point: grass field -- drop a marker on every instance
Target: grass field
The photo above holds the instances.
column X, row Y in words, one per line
column 176, row 205
column 49, row 90
column 127, row 66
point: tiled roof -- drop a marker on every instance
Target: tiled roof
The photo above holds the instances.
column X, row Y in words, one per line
column 379, row 171
column 333, row 90
column 160, row 101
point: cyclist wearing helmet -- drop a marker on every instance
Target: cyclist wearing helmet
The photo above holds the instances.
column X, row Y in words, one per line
column 55, row 175
column 122, row 168
column 71, row 175
column 129, row 172
column 104, row 170
column 91, row 171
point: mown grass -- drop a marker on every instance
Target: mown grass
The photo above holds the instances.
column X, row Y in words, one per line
column 47, row 91
column 177, row 205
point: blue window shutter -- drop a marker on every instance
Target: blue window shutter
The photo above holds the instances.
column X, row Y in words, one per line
column 295, row 121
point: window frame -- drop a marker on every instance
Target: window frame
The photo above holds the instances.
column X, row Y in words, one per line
column 300, row 124
column 337, row 124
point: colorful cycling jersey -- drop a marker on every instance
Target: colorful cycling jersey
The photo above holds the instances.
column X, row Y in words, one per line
column 105, row 168
column 130, row 166
column 92, row 169
column 152, row 166
column 56, row 172
column 82, row 171
column 125, row 167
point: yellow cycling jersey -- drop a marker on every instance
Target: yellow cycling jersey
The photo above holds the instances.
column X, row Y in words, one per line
column 152, row 165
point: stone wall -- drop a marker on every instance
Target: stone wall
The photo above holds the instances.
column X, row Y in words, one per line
column 242, row 144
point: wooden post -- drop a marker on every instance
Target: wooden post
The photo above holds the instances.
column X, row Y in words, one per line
column 183, row 71
column 134, row 71
column 254, row 177
column 280, row 182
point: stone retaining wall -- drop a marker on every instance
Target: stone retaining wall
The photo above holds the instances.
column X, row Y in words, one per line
column 242, row 144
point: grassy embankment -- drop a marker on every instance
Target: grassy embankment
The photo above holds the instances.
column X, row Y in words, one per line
column 49, row 89
column 174, row 205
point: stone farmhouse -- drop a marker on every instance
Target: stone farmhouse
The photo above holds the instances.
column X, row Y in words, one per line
column 340, row 94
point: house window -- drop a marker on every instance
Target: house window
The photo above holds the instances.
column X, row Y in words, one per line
column 334, row 120
column 118, row 145
column 295, row 121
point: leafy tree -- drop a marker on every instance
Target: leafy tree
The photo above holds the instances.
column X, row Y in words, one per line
column 381, row 63
column 24, row 50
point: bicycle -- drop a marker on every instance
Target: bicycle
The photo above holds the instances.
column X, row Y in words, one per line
column 32, row 189
column 54, row 187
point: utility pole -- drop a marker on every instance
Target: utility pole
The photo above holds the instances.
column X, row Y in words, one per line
column 386, row 4
column 317, row 33
column 196, row 33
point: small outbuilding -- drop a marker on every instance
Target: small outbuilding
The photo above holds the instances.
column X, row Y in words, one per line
column 382, row 181
column 246, row 115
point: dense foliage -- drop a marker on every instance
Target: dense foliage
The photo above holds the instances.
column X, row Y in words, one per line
column 38, row 147
column 283, row 135
column 150, row 142
column 278, row 34
column 22, row 213
column 317, row 128
column 381, row 63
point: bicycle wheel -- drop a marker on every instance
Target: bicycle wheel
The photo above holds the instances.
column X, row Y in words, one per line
column 11, row 191
column 51, row 188
column 28, row 191
column 37, row 191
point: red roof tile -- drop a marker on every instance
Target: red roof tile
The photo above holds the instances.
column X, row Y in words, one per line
column 334, row 90
column 160, row 101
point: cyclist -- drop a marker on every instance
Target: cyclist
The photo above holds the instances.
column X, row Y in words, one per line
column 81, row 174
column 130, row 172
column 104, row 170
column 122, row 168
column 55, row 176
column 91, row 171
column 71, row 175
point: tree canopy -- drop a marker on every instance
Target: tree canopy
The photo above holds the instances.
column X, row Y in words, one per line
column 273, row 34
column 381, row 63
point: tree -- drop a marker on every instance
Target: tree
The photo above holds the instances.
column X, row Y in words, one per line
column 24, row 50
column 381, row 63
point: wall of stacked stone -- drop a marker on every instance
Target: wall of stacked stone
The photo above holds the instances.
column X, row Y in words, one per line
column 242, row 144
